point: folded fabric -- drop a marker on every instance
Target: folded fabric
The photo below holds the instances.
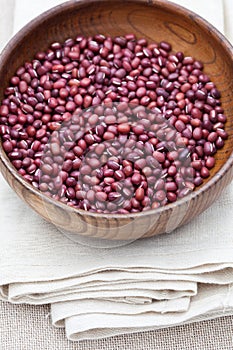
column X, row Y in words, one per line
column 143, row 291
column 176, row 278
column 210, row 302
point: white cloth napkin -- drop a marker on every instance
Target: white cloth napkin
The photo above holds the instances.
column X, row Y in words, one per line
column 228, row 15
column 175, row 278
column 6, row 21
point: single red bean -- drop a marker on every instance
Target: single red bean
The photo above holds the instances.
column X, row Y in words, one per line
column 4, row 110
column 67, row 165
column 8, row 146
column 119, row 175
column 197, row 133
column 101, row 196
column 208, row 148
column 55, row 149
column 70, row 193
column 170, row 186
column 47, row 169
column 179, row 125
column 136, row 179
column 198, row 181
column 160, row 195
column 40, row 133
column 172, row 170
column 123, row 128
column 94, row 163
column 210, row 162
column 76, row 164
column 139, row 194
column 222, row 133
column 219, row 142
column 128, row 170
column 212, row 137
column 197, row 164
column 171, row 196
column 135, row 203
column 108, row 135
column 87, row 101
column 85, row 170
column 204, row 172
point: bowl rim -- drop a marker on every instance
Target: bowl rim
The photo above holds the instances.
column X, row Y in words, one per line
column 203, row 23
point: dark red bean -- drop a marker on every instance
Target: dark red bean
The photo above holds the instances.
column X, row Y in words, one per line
column 119, row 175
column 94, row 163
column 67, row 165
column 210, row 162
column 212, row 137
column 171, row 196
column 197, row 133
column 140, row 163
column 85, row 170
column 123, row 128
column 108, row 135
column 80, row 195
column 179, row 125
column 139, row 194
column 138, row 129
column 198, row 181
column 40, row 133
column 219, row 142
column 159, row 156
column 165, row 46
column 101, row 196
column 31, row 131
column 70, row 193
column 4, row 110
column 208, row 148
column 8, row 146
column 47, row 169
column 113, row 165
column 204, row 172
column 171, row 186
column 222, row 133
column 128, row 170
column 55, row 149
column 136, row 179
column 172, row 171
column 197, row 164
column 113, row 196
column 160, row 195
column 135, row 203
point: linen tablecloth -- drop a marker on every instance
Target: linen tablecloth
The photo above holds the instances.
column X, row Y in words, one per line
column 219, row 297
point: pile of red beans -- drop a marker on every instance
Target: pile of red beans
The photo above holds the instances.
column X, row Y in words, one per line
column 113, row 125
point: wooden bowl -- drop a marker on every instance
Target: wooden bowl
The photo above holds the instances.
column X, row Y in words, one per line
column 156, row 21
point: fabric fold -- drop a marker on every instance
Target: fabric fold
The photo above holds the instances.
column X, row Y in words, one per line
column 60, row 311
column 212, row 301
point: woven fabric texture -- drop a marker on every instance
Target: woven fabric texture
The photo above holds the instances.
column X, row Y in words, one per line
column 29, row 328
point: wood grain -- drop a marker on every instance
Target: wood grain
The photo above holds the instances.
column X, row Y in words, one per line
column 154, row 20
